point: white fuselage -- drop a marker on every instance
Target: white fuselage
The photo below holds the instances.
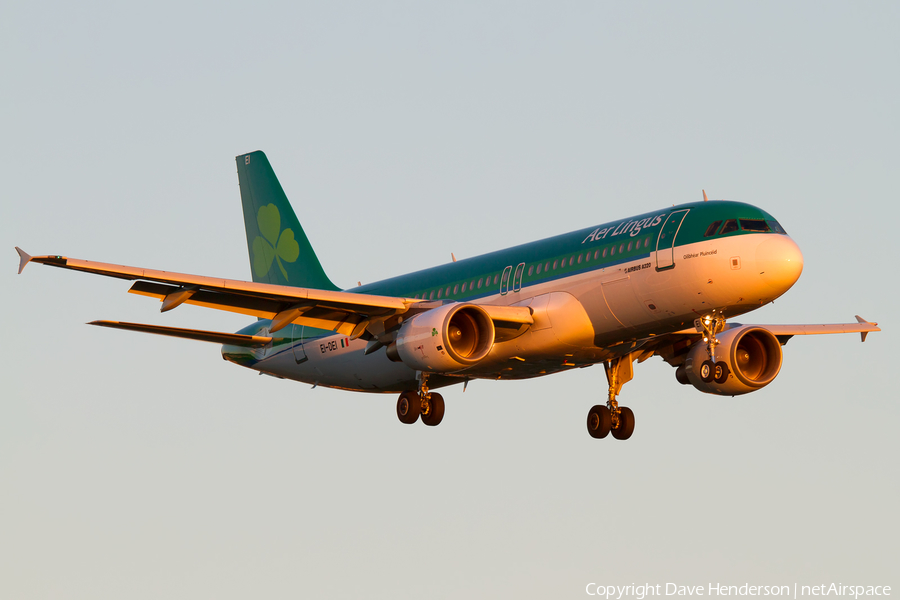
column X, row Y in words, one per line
column 575, row 318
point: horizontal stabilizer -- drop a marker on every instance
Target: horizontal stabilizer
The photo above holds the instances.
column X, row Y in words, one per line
column 233, row 339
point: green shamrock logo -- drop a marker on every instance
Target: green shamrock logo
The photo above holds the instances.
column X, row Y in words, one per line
column 434, row 332
column 273, row 244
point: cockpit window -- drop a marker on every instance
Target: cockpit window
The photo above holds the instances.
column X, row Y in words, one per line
column 711, row 230
column 729, row 226
column 754, row 225
column 776, row 227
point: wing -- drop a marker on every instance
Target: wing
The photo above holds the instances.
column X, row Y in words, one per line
column 674, row 346
column 786, row 332
column 351, row 314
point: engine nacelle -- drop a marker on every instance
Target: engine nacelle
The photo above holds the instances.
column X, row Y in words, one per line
column 445, row 339
column 747, row 359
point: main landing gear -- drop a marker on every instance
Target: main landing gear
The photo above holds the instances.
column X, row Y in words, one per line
column 612, row 418
column 428, row 405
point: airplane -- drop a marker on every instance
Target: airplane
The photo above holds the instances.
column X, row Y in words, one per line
column 665, row 283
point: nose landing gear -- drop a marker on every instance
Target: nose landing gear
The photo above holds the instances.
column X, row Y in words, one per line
column 711, row 370
column 429, row 405
column 712, row 325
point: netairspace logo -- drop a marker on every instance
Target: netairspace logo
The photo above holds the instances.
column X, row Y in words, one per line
column 640, row 592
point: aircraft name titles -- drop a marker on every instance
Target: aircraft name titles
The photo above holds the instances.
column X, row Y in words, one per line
column 699, row 254
column 632, row 228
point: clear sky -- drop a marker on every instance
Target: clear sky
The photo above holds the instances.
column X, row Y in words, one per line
column 133, row 466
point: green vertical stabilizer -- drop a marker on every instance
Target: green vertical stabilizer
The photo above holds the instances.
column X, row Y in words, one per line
column 280, row 252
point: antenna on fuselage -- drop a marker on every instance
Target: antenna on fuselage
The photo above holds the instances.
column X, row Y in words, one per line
column 705, row 199
column 453, row 256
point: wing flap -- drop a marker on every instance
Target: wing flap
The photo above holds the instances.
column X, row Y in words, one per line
column 249, row 305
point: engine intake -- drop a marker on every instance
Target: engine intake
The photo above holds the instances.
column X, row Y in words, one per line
column 445, row 339
column 751, row 357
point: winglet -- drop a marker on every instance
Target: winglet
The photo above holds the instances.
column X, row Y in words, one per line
column 24, row 259
column 863, row 334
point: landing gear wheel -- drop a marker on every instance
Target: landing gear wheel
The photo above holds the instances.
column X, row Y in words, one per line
column 720, row 373
column 626, row 424
column 408, row 407
column 435, row 412
column 707, row 371
column 599, row 421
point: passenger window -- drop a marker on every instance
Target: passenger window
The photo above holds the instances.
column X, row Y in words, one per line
column 547, row 266
column 555, row 263
column 612, row 251
column 571, row 260
column 711, row 230
column 630, row 244
column 539, row 269
column 604, row 252
column 531, row 270
column 587, row 257
column 447, row 291
column 621, row 248
column 456, row 289
column 580, row 256
column 480, row 281
column 463, row 288
column 439, row 293
column 646, row 242
column 729, row 226
column 754, row 225
column 597, row 254
column 431, row 296
column 472, row 285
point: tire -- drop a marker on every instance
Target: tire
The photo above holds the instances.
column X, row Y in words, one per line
column 599, row 421
column 436, row 414
column 707, row 371
column 626, row 424
column 408, row 407
column 720, row 373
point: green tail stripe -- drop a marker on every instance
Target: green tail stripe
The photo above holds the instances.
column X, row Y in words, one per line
column 280, row 252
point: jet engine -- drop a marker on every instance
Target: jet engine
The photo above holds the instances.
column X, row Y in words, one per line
column 444, row 339
column 747, row 358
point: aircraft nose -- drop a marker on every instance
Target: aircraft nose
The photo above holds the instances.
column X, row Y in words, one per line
column 779, row 262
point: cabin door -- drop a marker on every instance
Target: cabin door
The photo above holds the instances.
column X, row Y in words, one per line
column 665, row 243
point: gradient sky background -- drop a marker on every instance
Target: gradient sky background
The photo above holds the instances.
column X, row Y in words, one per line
column 133, row 466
